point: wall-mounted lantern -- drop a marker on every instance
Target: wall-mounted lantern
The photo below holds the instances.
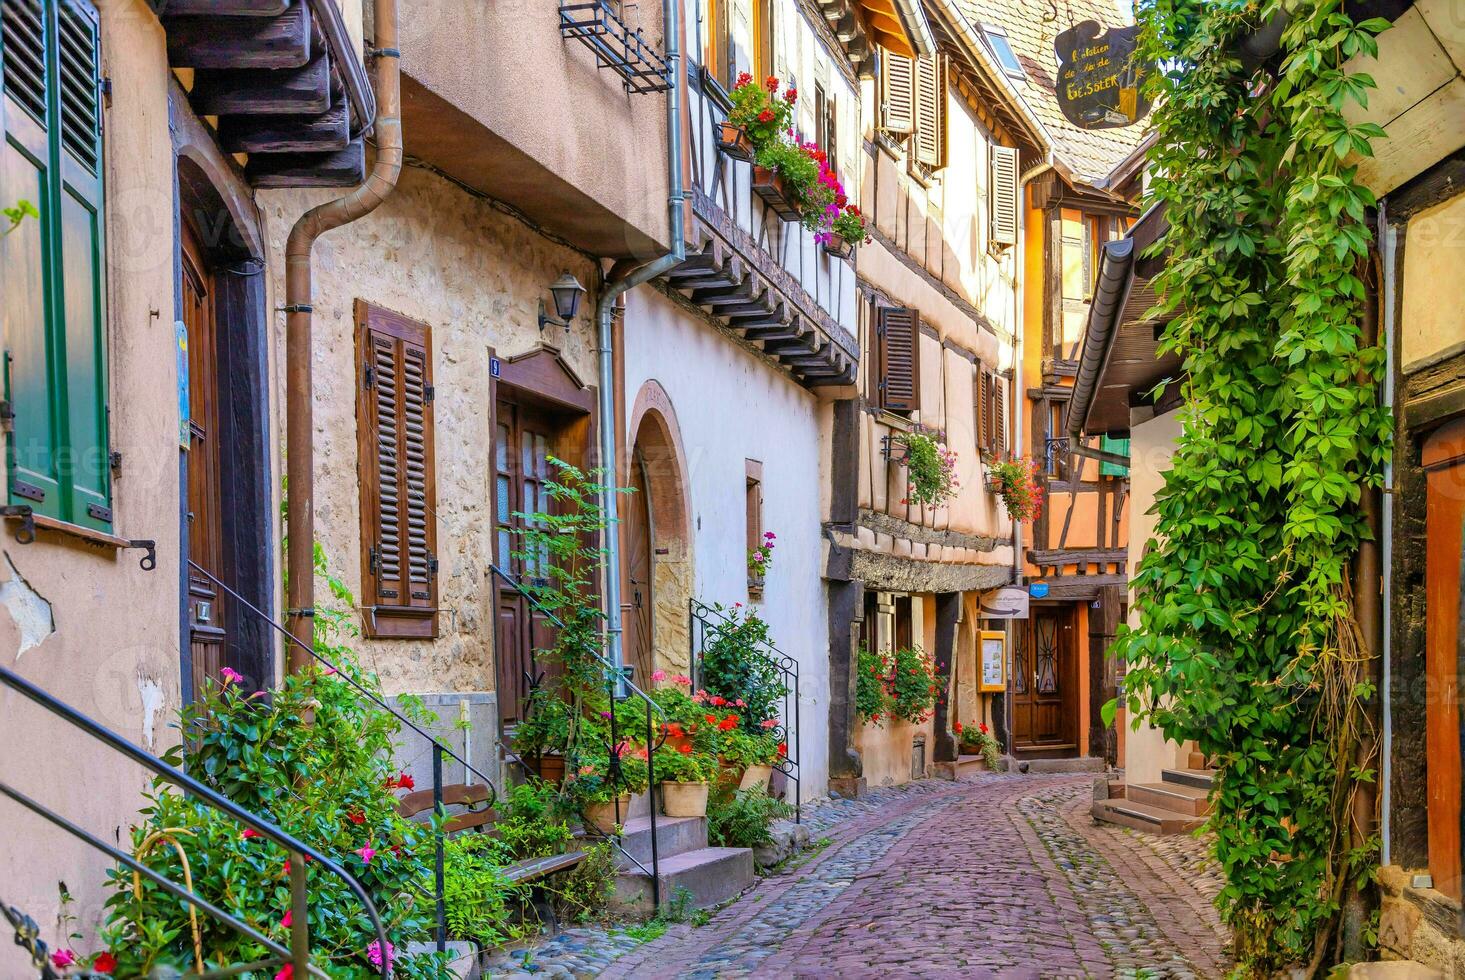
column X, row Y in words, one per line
column 566, row 291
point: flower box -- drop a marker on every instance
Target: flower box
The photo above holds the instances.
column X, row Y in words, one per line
column 769, row 186
column 837, row 246
column 683, row 799
column 733, row 141
column 602, row 816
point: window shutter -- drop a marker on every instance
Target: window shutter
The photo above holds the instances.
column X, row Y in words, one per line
column 999, row 415
column 981, row 411
column 897, row 92
column 900, row 359
column 397, row 474
column 55, row 316
column 1002, row 205
column 930, row 112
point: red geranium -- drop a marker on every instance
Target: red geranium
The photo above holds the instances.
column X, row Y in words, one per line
column 771, row 83
column 104, row 963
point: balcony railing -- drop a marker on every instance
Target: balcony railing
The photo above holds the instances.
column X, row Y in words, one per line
column 597, row 25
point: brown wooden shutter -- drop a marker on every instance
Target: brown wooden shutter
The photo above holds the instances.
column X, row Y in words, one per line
column 897, row 92
column 930, row 112
column 1002, row 196
column 397, row 474
column 900, row 358
column 981, row 411
column 999, row 415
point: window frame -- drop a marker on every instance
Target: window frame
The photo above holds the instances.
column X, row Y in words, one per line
column 753, row 517
column 1014, row 71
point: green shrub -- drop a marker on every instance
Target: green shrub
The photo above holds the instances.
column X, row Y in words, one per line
column 742, row 819
column 871, row 700
column 482, row 904
column 582, row 893
column 737, row 666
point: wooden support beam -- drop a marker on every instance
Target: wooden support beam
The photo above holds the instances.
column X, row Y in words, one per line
column 228, row 8
column 325, row 133
column 343, row 168
column 241, row 42
column 255, row 91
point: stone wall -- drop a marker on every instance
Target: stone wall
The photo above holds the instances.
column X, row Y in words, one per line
column 1419, row 924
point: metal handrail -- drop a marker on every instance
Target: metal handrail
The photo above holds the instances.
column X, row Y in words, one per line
column 616, row 678
column 298, row 955
column 700, row 619
column 438, row 748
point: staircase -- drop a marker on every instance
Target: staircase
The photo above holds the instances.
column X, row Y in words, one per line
column 711, row 875
column 1178, row 804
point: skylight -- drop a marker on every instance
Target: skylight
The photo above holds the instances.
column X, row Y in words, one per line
column 1002, row 51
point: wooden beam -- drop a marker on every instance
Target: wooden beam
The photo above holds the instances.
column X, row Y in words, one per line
column 254, row 91
column 241, row 42
column 325, row 133
column 343, row 168
column 228, row 8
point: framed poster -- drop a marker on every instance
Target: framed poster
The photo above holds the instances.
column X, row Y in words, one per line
column 992, row 665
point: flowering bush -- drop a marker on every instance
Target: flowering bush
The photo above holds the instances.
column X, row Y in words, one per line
column 760, row 111
column 738, row 667
column 684, row 764
column 1015, row 482
column 912, row 685
column 743, row 748
column 981, row 739
column 761, row 557
column 930, row 466
column 871, row 700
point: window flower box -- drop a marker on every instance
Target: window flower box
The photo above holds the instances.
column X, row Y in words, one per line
column 839, row 247
column 734, row 142
column 770, row 187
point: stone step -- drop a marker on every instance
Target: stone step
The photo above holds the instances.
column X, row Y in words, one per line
column 1143, row 816
column 968, row 766
column 1198, row 778
column 1191, row 800
column 674, row 835
column 711, row 875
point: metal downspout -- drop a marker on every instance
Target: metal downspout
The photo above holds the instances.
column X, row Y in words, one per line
column 299, row 395
column 613, row 290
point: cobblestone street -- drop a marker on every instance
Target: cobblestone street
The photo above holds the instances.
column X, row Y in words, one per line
column 1003, row 876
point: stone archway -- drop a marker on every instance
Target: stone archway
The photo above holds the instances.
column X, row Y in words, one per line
column 657, row 569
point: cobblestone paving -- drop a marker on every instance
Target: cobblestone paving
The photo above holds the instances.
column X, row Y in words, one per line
column 1002, row 876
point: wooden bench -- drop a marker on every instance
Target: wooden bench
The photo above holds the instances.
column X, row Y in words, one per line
column 471, row 796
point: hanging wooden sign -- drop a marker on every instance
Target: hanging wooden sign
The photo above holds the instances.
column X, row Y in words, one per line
column 1100, row 76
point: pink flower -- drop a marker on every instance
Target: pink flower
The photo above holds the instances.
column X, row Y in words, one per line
column 289, row 918
column 249, row 832
column 658, row 675
column 374, row 952
column 769, row 723
column 681, row 679
column 62, row 958
column 367, row 853
column 230, row 676
column 740, row 703
column 770, row 535
column 287, row 972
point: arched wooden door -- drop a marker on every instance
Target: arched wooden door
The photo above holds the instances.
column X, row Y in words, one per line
column 638, row 607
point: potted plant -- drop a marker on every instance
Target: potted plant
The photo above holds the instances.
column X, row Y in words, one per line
column 752, row 756
column 783, row 174
column 543, row 733
column 912, row 685
column 930, row 467
column 604, row 784
column 685, row 774
column 759, row 561
column 872, row 701
column 739, row 669
column 846, row 231
column 978, row 739
column 1015, row 482
column 758, row 116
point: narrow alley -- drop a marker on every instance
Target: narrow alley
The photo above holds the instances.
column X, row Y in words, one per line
column 1005, row 876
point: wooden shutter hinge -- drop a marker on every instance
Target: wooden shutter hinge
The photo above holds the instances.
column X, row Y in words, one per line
column 428, row 393
column 368, row 380
column 372, row 560
column 432, row 565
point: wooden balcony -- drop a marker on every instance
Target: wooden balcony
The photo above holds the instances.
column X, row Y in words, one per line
column 284, row 82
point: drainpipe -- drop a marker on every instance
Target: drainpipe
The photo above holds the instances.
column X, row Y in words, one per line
column 299, row 433
column 616, row 286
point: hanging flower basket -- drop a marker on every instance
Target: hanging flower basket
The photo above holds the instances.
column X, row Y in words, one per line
column 770, row 187
column 1015, row 482
column 837, row 246
column 733, row 141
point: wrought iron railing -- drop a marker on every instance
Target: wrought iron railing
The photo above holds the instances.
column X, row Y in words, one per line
column 598, row 25
column 297, row 955
column 706, row 622
column 439, row 750
column 619, row 687
column 1057, row 457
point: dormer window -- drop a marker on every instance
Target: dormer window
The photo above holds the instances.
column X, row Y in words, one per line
column 1002, row 50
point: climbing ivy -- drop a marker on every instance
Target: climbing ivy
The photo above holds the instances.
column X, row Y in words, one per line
column 1247, row 641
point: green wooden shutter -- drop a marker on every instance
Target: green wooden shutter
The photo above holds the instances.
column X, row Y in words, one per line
column 55, row 316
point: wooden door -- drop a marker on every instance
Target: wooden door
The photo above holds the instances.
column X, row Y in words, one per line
column 1444, row 463
column 207, row 609
column 638, row 608
column 1045, row 696
column 523, row 444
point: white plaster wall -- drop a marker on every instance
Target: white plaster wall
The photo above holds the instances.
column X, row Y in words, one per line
column 732, row 406
column 1151, row 446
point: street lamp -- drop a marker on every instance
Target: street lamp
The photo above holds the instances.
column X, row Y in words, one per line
column 566, row 291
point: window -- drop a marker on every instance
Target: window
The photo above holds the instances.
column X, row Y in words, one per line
column 55, row 378
column 1002, row 200
column 930, row 110
column 826, row 126
column 717, row 57
column 753, row 507
column 740, row 37
column 396, row 470
column 1001, row 49
column 895, row 364
column 763, row 39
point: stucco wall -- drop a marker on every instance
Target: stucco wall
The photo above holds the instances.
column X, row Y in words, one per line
column 1435, row 253
column 732, row 406
column 114, row 652
column 475, row 275
column 1151, row 445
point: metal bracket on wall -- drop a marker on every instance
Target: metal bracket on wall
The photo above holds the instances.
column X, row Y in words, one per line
column 149, row 561
column 22, row 512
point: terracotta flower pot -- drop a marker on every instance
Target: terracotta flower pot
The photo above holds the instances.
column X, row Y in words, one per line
column 756, row 776
column 549, row 767
column 684, row 799
column 602, row 816
column 734, row 141
column 838, row 247
column 770, row 187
